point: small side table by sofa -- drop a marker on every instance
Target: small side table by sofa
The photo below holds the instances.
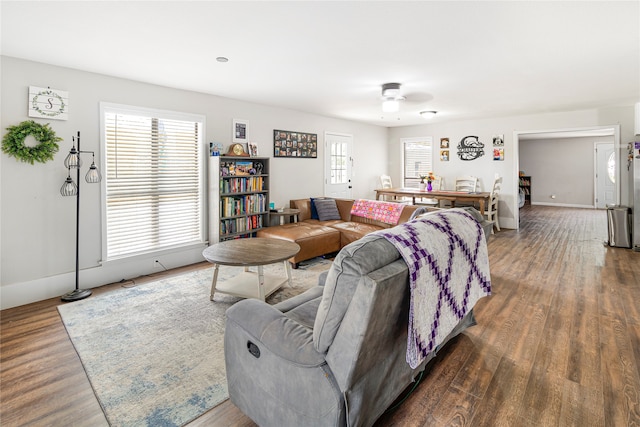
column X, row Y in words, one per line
column 285, row 213
column 255, row 251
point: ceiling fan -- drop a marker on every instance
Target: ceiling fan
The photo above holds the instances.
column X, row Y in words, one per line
column 391, row 97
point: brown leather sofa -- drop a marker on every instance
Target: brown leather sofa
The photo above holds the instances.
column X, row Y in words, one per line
column 317, row 238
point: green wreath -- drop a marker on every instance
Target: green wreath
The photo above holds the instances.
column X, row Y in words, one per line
column 13, row 142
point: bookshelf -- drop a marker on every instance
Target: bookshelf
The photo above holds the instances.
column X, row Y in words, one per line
column 525, row 185
column 238, row 196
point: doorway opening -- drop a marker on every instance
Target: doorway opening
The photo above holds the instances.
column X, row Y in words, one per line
column 596, row 132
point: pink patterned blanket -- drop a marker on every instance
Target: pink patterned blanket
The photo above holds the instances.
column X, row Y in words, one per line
column 386, row 212
column 446, row 253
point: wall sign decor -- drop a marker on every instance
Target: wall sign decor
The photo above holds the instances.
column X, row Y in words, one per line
column 295, row 144
column 498, row 153
column 48, row 103
column 470, row 148
column 498, row 140
column 13, row 142
column 240, row 130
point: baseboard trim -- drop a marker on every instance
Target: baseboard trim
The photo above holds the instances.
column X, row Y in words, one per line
column 17, row 294
column 563, row 205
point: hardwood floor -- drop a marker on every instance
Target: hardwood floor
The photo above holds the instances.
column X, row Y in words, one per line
column 557, row 344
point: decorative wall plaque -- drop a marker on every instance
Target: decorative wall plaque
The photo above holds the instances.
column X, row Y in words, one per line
column 48, row 103
column 470, row 148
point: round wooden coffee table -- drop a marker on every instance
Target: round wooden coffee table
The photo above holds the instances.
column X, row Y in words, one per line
column 256, row 251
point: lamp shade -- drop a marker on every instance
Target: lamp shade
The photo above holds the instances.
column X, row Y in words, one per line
column 73, row 159
column 93, row 174
column 69, row 188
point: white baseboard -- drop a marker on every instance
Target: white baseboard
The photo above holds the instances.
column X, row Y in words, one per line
column 22, row 293
column 563, row 205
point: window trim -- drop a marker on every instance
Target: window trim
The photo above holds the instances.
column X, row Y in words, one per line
column 203, row 151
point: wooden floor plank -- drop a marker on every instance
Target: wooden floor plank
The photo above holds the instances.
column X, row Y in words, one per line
column 543, row 397
column 557, row 344
column 503, row 399
column 620, row 375
column 581, row 406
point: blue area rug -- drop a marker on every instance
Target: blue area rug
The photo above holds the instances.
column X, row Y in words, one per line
column 154, row 353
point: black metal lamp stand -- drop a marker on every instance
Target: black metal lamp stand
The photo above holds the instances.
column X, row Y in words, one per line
column 70, row 188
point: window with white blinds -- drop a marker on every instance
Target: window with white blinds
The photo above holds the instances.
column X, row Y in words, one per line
column 418, row 160
column 153, row 174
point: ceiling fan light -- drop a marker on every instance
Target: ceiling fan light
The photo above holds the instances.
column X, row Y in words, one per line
column 428, row 114
column 390, row 106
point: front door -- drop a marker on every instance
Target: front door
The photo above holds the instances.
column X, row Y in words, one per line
column 605, row 175
column 337, row 181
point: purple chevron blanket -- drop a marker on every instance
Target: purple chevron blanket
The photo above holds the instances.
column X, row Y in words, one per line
column 446, row 253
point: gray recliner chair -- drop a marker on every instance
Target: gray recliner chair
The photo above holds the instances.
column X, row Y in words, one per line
column 332, row 356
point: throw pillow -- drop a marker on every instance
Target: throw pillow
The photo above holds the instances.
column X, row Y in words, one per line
column 327, row 209
column 314, row 211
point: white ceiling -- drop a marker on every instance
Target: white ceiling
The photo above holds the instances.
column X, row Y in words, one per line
column 467, row 60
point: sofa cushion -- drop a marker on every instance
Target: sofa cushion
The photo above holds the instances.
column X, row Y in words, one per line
column 354, row 261
column 304, row 206
column 314, row 239
column 350, row 231
column 327, row 209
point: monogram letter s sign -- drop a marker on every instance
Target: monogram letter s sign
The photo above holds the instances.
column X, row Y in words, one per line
column 48, row 103
column 469, row 148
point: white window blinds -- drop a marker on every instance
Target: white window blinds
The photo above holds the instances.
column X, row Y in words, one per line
column 154, row 186
column 418, row 160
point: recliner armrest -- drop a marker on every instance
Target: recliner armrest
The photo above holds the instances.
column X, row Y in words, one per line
column 271, row 329
column 300, row 299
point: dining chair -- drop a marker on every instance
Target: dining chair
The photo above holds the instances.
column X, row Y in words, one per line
column 491, row 210
column 385, row 182
column 466, row 183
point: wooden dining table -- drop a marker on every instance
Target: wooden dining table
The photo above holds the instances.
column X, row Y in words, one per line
column 451, row 195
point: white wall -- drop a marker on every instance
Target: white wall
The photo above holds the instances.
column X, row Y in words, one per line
column 485, row 167
column 563, row 167
column 37, row 226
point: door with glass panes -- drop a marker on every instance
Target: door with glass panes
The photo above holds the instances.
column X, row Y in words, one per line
column 338, row 161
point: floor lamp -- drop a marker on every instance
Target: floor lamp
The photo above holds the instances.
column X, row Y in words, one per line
column 70, row 188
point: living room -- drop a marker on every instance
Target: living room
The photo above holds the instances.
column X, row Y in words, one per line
column 553, row 282
column 376, row 150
